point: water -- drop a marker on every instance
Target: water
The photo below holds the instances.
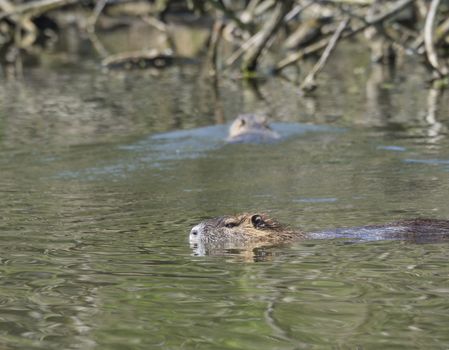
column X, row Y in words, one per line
column 102, row 176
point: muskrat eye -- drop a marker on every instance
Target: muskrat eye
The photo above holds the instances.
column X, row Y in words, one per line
column 257, row 221
column 230, row 225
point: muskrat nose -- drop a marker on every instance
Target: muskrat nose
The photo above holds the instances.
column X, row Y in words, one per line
column 195, row 232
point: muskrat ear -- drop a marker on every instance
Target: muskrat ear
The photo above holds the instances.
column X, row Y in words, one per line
column 257, row 221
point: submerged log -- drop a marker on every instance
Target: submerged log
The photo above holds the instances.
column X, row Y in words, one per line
column 139, row 60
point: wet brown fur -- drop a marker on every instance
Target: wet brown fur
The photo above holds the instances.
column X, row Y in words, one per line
column 272, row 232
column 244, row 229
column 251, row 127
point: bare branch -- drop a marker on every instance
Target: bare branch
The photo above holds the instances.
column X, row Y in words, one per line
column 218, row 4
column 99, row 6
column 428, row 38
column 269, row 29
column 216, row 35
column 309, row 82
column 36, row 8
column 295, row 57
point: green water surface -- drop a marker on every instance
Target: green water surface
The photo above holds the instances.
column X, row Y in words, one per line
column 104, row 174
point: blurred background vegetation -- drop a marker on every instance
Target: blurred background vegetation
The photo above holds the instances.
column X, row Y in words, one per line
column 247, row 38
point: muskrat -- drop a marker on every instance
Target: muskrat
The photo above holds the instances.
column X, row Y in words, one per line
column 253, row 230
column 251, row 128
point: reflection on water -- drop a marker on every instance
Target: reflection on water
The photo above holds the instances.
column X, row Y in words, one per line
column 102, row 176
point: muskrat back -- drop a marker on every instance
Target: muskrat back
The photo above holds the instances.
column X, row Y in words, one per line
column 253, row 230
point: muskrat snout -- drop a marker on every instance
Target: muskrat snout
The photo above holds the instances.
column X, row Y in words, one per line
column 195, row 233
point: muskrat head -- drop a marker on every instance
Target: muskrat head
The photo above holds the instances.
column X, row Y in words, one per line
column 251, row 127
column 237, row 232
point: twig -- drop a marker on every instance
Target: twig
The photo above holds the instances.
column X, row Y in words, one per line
column 162, row 27
column 97, row 44
column 249, row 12
column 442, row 30
column 297, row 10
column 22, row 22
column 309, row 82
column 295, row 57
column 264, row 7
column 99, row 6
column 256, row 37
column 440, row 33
column 218, row 4
column 6, row 6
column 156, row 23
column 241, row 50
column 344, row 8
column 37, row 7
column 268, row 30
column 213, row 45
column 428, row 38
